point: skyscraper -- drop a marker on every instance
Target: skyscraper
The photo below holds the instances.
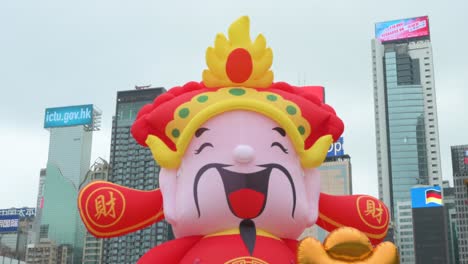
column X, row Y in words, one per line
column 71, row 130
column 460, row 180
column 133, row 166
column 405, row 109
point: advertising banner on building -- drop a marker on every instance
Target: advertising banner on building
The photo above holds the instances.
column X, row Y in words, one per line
column 426, row 197
column 25, row 212
column 9, row 223
column 68, row 116
column 336, row 149
column 402, row 29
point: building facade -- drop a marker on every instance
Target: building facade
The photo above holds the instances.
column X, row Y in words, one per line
column 15, row 226
column 34, row 234
column 403, row 231
column 71, row 129
column 451, row 216
column 430, row 237
column 93, row 247
column 133, row 166
column 336, row 179
column 460, row 180
column 405, row 110
column 44, row 252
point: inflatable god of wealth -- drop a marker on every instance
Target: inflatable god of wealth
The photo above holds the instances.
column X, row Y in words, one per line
column 239, row 182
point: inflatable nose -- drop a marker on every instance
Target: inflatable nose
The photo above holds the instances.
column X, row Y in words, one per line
column 243, row 154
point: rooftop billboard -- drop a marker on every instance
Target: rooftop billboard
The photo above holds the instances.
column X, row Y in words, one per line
column 422, row 197
column 402, row 29
column 68, row 116
column 336, row 149
column 9, row 223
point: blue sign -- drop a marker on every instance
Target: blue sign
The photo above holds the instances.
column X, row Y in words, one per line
column 24, row 212
column 9, row 223
column 336, row 149
column 68, row 116
column 422, row 197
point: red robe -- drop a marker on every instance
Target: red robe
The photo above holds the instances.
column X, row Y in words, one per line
column 223, row 248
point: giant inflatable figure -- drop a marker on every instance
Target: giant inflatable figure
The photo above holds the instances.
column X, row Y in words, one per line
column 238, row 181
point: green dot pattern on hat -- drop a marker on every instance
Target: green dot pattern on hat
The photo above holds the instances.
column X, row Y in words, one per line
column 175, row 132
column 301, row 130
column 237, row 91
column 184, row 112
column 291, row 110
column 202, row 98
column 272, row 97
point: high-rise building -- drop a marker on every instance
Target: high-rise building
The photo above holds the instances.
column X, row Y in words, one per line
column 133, row 166
column 405, row 109
column 93, row 247
column 71, row 129
column 335, row 176
column 460, row 180
column 451, row 215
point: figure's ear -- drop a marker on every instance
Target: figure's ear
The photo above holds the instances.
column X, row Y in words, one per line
column 167, row 184
column 312, row 188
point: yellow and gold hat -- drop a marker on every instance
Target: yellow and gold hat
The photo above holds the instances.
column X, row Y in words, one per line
column 238, row 78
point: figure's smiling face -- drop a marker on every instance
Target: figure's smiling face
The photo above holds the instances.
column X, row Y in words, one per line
column 240, row 165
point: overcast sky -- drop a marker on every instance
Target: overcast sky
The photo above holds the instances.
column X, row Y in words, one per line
column 60, row 53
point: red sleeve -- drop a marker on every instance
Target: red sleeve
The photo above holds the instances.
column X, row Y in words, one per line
column 291, row 244
column 110, row 210
column 170, row 252
column 363, row 212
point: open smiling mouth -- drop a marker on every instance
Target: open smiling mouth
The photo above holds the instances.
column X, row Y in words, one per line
column 246, row 193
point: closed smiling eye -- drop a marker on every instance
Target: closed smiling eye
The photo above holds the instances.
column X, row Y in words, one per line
column 204, row 145
column 277, row 144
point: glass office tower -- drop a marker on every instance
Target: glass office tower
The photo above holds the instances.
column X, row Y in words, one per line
column 133, row 166
column 71, row 130
column 405, row 118
column 405, row 109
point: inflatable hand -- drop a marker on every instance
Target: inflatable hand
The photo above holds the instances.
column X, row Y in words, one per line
column 346, row 245
column 110, row 210
column 363, row 212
